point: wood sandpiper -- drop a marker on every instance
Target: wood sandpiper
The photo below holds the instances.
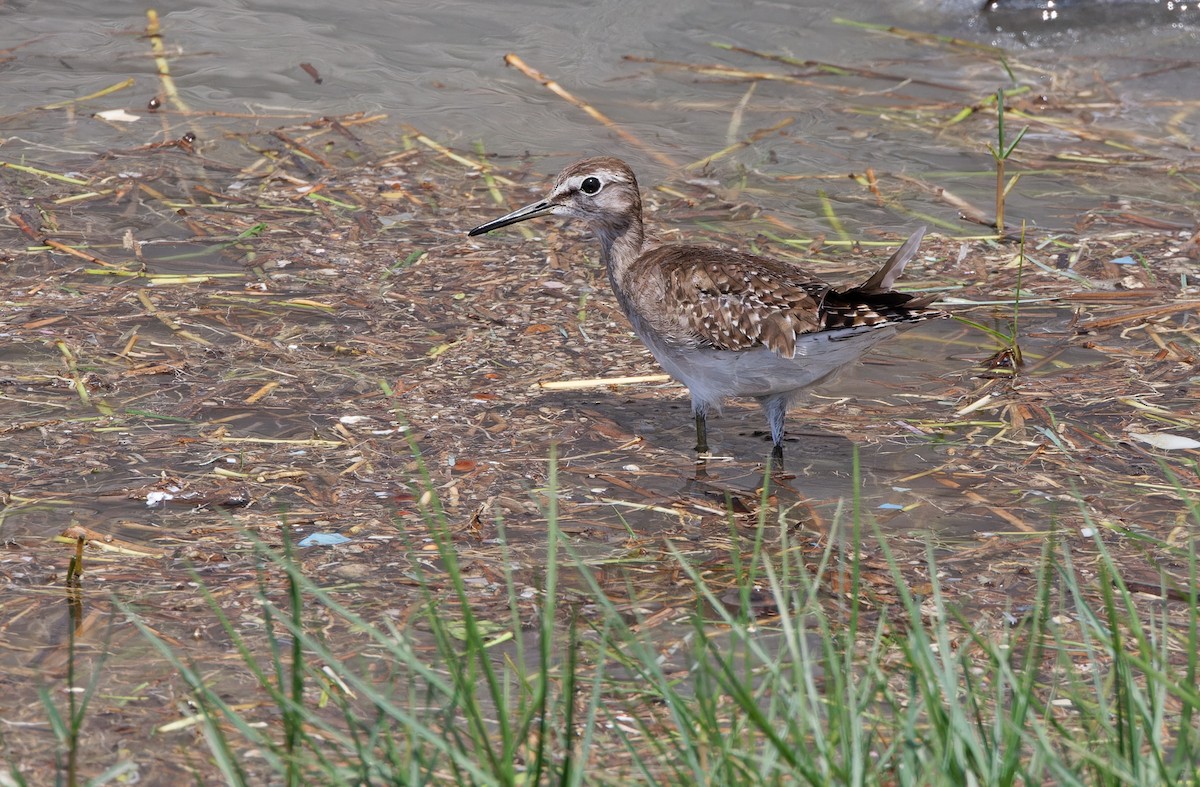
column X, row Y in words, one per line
column 725, row 323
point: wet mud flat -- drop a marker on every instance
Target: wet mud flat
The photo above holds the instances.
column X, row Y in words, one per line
column 285, row 330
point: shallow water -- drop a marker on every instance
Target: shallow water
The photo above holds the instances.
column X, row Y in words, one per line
column 228, row 409
column 439, row 67
column 1126, row 79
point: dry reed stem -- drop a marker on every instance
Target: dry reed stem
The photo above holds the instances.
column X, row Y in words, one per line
column 516, row 62
column 575, row 385
column 745, row 143
column 123, row 84
column 1148, row 313
column 163, row 66
column 42, row 173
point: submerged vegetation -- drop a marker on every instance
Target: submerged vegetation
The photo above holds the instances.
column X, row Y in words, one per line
column 292, row 433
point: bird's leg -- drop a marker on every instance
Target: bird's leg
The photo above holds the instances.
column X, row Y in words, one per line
column 777, row 458
column 701, row 432
column 775, row 408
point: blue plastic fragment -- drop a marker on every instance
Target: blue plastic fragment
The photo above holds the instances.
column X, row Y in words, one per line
column 892, row 506
column 323, row 540
column 1124, row 261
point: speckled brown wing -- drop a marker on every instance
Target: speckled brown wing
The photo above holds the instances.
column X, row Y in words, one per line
column 732, row 301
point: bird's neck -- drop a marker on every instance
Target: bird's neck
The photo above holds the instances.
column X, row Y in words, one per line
column 621, row 243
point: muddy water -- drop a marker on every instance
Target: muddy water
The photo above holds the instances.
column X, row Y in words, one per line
column 218, row 409
column 439, row 68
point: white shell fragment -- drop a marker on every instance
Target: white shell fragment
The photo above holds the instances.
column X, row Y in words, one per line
column 1165, row 441
column 117, row 115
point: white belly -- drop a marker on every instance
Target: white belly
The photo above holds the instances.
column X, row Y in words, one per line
column 713, row 375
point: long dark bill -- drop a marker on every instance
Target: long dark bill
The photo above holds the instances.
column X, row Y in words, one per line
column 520, row 214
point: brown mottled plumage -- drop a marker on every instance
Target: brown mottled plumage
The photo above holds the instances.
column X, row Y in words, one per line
column 722, row 322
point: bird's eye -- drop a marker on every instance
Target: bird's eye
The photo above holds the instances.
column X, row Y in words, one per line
column 590, row 185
